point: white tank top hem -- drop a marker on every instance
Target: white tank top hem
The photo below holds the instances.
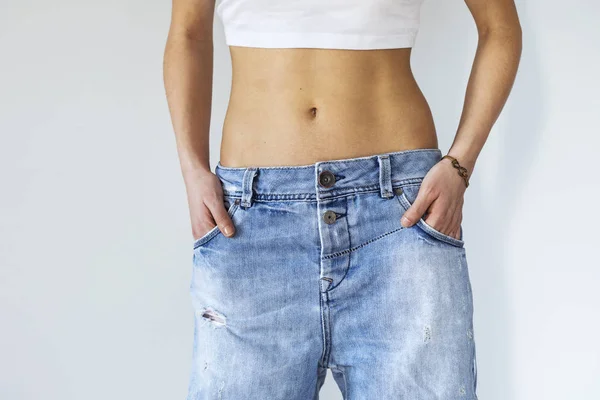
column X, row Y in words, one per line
column 334, row 24
column 237, row 37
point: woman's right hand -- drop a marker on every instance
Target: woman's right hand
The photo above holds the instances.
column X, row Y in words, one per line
column 205, row 200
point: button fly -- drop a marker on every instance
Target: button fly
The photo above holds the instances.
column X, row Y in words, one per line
column 329, row 217
column 326, row 179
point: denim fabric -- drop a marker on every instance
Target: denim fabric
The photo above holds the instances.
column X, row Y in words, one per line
column 388, row 309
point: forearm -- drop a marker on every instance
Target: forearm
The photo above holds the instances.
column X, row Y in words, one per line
column 492, row 77
column 188, row 71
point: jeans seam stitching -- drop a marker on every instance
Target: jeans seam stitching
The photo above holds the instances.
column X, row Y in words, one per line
column 347, row 251
column 264, row 197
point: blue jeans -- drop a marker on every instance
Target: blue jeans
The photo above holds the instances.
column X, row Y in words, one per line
column 320, row 274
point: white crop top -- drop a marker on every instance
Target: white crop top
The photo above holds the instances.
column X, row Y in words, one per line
column 334, row 24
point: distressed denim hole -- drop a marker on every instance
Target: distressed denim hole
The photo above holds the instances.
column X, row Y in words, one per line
column 214, row 317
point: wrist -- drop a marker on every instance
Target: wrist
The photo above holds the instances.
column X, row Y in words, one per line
column 465, row 159
column 192, row 162
column 461, row 171
column 191, row 174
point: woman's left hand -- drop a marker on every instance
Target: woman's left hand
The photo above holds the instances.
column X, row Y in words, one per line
column 440, row 198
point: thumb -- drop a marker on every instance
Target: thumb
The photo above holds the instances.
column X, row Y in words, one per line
column 222, row 219
column 415, row 211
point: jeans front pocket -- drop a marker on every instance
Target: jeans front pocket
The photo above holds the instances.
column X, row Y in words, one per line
column 406, row 195
column 232, row 206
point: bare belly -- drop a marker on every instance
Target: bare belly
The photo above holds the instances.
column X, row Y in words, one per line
column 300, row 106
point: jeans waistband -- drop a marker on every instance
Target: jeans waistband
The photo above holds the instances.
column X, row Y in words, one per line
column 327, row 179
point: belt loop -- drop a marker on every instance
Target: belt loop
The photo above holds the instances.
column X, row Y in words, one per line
column 385, row 176
column 247, row 182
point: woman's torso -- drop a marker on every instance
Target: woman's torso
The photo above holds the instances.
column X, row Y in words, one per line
column 297, row 106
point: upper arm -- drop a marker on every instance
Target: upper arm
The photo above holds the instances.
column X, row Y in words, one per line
column 492, row 15
column 193, row 18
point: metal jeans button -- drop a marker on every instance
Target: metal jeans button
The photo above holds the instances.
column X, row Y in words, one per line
column 329, row 217
column 326, row 179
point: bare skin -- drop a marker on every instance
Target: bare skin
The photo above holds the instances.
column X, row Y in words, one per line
column 299, row 106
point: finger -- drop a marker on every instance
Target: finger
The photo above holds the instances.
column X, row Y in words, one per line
column 436, row 222
column 453, row 224
column 202, row 222
column 437, row 215
column 456, row 221
column 416, row 210
column 221, row 217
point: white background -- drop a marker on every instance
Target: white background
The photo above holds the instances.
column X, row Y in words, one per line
column 95, row 244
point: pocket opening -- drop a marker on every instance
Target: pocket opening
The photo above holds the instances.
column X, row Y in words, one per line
column 424, row 226
column 232, row 205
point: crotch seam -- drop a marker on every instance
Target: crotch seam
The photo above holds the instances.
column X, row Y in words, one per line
column 340, row 369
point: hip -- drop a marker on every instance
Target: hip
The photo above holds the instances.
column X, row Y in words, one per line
column 360, row 198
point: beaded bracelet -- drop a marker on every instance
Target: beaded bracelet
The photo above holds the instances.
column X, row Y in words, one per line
column 462, row 171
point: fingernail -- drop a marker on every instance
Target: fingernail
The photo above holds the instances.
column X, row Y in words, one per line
column 228, row 231
column 405, row 221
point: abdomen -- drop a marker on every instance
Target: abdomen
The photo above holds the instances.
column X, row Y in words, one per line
column 298, row 106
